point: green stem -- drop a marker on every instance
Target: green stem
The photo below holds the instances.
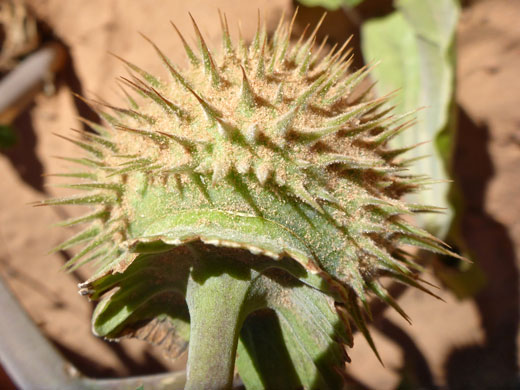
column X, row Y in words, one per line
column 216, row 304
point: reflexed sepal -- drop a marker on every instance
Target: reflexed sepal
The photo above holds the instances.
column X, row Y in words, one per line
column 281, row 315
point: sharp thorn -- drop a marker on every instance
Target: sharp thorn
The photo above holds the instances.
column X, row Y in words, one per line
column 192, row 57
column 207, row 59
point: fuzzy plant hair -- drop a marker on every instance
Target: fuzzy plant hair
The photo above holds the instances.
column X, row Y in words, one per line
column 268, row 158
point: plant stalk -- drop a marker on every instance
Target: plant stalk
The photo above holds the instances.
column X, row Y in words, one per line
column 216, row 305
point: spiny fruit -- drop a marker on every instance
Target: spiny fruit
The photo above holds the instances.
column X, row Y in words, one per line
column 269, row 147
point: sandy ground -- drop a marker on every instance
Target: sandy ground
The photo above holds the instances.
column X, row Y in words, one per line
column 454, row 344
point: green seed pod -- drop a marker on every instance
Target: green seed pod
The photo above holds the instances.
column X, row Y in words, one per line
column 269, row 155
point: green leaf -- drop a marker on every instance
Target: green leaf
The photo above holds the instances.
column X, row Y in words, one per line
column 331, row 4
column 415, row 45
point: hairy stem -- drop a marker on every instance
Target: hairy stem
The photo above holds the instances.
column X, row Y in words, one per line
column 216, row 301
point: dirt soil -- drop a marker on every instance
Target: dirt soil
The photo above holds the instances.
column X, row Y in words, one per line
column 466, row 344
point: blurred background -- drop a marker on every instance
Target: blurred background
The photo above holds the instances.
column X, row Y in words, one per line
column 458, row 60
